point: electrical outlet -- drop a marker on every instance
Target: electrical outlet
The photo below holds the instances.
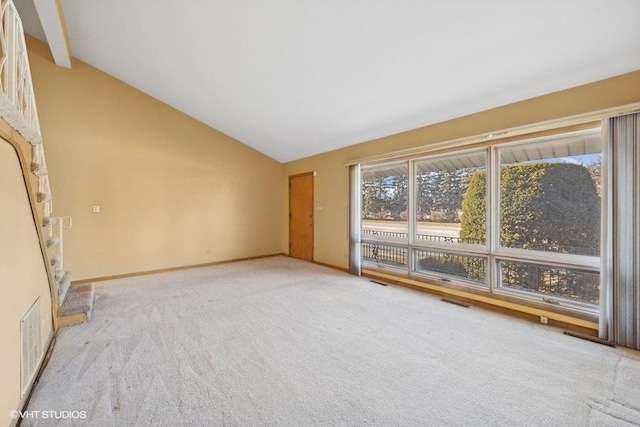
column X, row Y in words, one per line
column 95, row 209
column 544, row 320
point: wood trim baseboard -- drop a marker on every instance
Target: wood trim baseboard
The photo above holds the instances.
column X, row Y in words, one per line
column 320, row 263
column 72, row 319
column 165, row 270
column 335, row 267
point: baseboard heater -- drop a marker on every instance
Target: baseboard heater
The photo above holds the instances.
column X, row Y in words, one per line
column 589, row 338
column 454, row 302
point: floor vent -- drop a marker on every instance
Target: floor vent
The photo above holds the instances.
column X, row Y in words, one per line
column 379, row 283
column 454, row 302
column 30, row 345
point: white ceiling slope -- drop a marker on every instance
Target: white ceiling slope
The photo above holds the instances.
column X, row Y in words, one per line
column 297, row 78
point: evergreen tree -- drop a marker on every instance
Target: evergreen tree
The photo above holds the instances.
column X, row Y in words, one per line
column 551, row 207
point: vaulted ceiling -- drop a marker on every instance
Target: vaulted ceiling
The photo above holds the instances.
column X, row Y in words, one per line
column 297, row 78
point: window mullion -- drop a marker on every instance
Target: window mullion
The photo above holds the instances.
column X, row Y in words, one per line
column 493, row 217
column 355, row 220
column 411, row 215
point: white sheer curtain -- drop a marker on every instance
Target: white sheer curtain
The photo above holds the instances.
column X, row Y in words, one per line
column 355, row 220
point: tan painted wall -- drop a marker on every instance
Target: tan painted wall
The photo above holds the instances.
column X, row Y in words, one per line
column 23, row 276
column 172, row 191
column 332, row 181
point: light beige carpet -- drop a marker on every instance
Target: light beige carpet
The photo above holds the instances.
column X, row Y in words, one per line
column 281, row 342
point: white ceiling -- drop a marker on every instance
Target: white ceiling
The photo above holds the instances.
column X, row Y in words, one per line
column 296, row 78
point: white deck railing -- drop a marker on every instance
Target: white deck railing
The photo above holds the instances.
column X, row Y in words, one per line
column 17, row 102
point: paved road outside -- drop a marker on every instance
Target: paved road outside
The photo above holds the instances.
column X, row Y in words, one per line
column 426, row 228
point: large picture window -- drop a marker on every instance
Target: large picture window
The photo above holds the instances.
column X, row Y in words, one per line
column 518, row 218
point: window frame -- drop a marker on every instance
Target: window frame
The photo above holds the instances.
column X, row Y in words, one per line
column 492, row 251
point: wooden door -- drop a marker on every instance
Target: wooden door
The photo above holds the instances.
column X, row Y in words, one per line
column 301, row 216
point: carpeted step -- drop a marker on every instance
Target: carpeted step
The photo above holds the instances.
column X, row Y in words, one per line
column 63, row 279
column 42, row 197
column 77, row 305
column 55, row 261
column 37, row 169
column 52, row 241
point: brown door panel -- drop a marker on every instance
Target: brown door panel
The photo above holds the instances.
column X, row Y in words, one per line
column 301, row 216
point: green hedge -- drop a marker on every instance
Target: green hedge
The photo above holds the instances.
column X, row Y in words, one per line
column 552, row 207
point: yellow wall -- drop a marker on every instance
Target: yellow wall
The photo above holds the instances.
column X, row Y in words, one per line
column 172, row 191
column 332, row 181
column 23, row 276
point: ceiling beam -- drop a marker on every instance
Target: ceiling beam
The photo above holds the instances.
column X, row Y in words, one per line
column 54, row 26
